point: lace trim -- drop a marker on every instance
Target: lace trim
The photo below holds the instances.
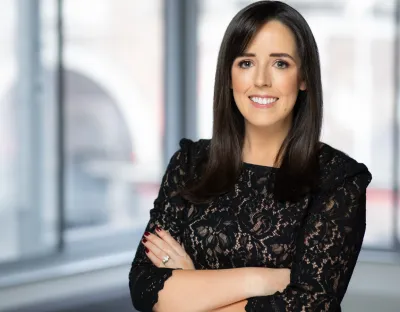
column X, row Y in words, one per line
column 267, row 303
column 160, row 286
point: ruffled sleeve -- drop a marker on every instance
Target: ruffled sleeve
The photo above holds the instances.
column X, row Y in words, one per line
column 145, row 279
column 327, row 248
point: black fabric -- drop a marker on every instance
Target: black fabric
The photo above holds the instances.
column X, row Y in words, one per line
column 318, row 238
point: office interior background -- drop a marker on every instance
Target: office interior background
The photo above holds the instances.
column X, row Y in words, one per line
column 94, row 98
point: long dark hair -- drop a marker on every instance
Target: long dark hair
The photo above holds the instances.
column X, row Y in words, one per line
column 297, row 158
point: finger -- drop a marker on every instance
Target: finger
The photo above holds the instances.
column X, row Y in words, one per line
column 159, row 253
column 154, row 249
column 153, row 258
column 157, row 261
column 165, row 236
column 161, row 244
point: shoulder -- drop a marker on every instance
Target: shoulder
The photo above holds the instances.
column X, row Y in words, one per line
column 338, row 168
column 190, row 153
column 194, row 148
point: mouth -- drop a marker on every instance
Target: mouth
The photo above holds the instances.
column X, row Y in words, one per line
column 267, row 101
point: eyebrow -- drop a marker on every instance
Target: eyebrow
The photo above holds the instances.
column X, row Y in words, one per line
column 271, row 55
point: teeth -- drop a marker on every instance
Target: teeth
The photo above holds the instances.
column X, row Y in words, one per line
column 263, row 101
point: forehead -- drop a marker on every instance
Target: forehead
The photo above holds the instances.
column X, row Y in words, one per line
column 273, row 37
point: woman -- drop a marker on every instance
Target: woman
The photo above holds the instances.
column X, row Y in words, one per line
column 264, row 216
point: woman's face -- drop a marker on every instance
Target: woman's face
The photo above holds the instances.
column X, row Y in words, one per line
column 266, row 78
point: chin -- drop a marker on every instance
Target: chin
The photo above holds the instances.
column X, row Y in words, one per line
column 261, row 124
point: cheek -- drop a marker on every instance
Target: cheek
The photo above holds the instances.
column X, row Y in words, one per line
column 241, row 80
column 287, row 84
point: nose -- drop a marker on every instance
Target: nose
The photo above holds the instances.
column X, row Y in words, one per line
column 262, row 77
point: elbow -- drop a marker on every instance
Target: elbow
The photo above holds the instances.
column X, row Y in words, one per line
column 134, row 295
column 145, row 287
column 326, row 302
column 308, row 300
column 136, row 292
column 141, row 301
column 334, row 303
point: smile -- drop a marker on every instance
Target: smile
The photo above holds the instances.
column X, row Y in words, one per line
column 263, row 101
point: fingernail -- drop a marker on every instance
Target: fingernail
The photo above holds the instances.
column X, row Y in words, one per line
column 158, row 229
column 146, row 233
column 144, row 240
column 146, row 249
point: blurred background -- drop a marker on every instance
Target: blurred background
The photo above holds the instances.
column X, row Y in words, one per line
column 94, row 97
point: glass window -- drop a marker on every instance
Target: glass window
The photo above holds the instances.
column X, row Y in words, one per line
column 359, row 98
column 356, row 43
column 113, row 115
column 113, row 122
column 28, row 192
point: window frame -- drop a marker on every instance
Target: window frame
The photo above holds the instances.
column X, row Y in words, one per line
column 180, row 83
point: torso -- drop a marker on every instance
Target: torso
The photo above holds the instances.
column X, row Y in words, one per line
column 245, row 227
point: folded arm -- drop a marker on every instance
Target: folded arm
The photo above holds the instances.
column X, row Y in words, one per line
column 327, row 249
column 165, row 289
column 207, row 290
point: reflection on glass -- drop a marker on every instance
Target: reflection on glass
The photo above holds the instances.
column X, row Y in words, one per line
column 113, row 104
column 27, row 131
column 8, row 207
column 355, row 40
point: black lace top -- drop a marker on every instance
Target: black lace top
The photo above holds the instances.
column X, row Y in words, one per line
column 318, row 238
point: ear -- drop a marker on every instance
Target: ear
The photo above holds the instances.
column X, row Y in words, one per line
column 303, row 85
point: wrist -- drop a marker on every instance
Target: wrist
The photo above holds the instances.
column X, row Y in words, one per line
column 255, row 282
column 266, row 281
column 283, row 279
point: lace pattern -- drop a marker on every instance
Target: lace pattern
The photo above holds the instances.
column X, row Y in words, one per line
column 318, row 238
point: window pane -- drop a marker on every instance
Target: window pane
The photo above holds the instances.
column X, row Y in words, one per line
column 114, row 115
column 356, row 49
column 27, row 131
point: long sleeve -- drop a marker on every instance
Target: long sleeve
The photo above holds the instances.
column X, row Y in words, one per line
column 145, row 279
column 327, row 248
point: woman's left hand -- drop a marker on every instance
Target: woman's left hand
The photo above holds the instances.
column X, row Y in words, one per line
column 162, row 245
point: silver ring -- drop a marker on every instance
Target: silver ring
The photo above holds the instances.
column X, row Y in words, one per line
column 165, row 259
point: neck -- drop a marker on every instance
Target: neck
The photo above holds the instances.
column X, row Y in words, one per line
column 261, row 145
